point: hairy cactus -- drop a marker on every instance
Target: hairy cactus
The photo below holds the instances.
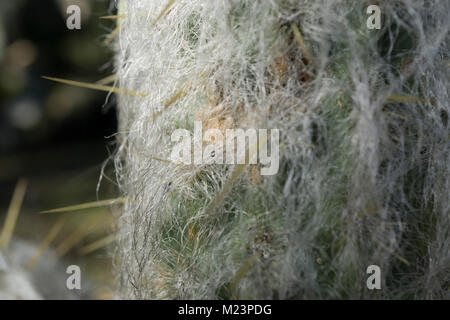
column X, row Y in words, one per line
column 363, row 173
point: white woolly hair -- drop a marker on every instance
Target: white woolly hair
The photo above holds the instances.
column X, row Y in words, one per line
column 364, row 149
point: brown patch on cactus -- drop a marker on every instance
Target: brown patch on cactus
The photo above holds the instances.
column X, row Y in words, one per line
column 164, row 12
column 255, row 174
column 262, row 245
column 218, row 119
column 279, row 67
column 190, row 233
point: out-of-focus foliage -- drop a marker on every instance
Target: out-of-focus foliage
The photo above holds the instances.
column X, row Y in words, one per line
column 51, row 134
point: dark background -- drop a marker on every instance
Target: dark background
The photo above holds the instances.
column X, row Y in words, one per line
column 57, row 137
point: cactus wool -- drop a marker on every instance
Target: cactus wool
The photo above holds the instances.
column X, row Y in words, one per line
column 363, row 122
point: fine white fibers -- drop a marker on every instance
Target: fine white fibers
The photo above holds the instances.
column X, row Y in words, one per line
column 364, row 149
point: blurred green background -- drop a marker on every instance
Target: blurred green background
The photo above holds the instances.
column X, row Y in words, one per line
column 58, row 137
